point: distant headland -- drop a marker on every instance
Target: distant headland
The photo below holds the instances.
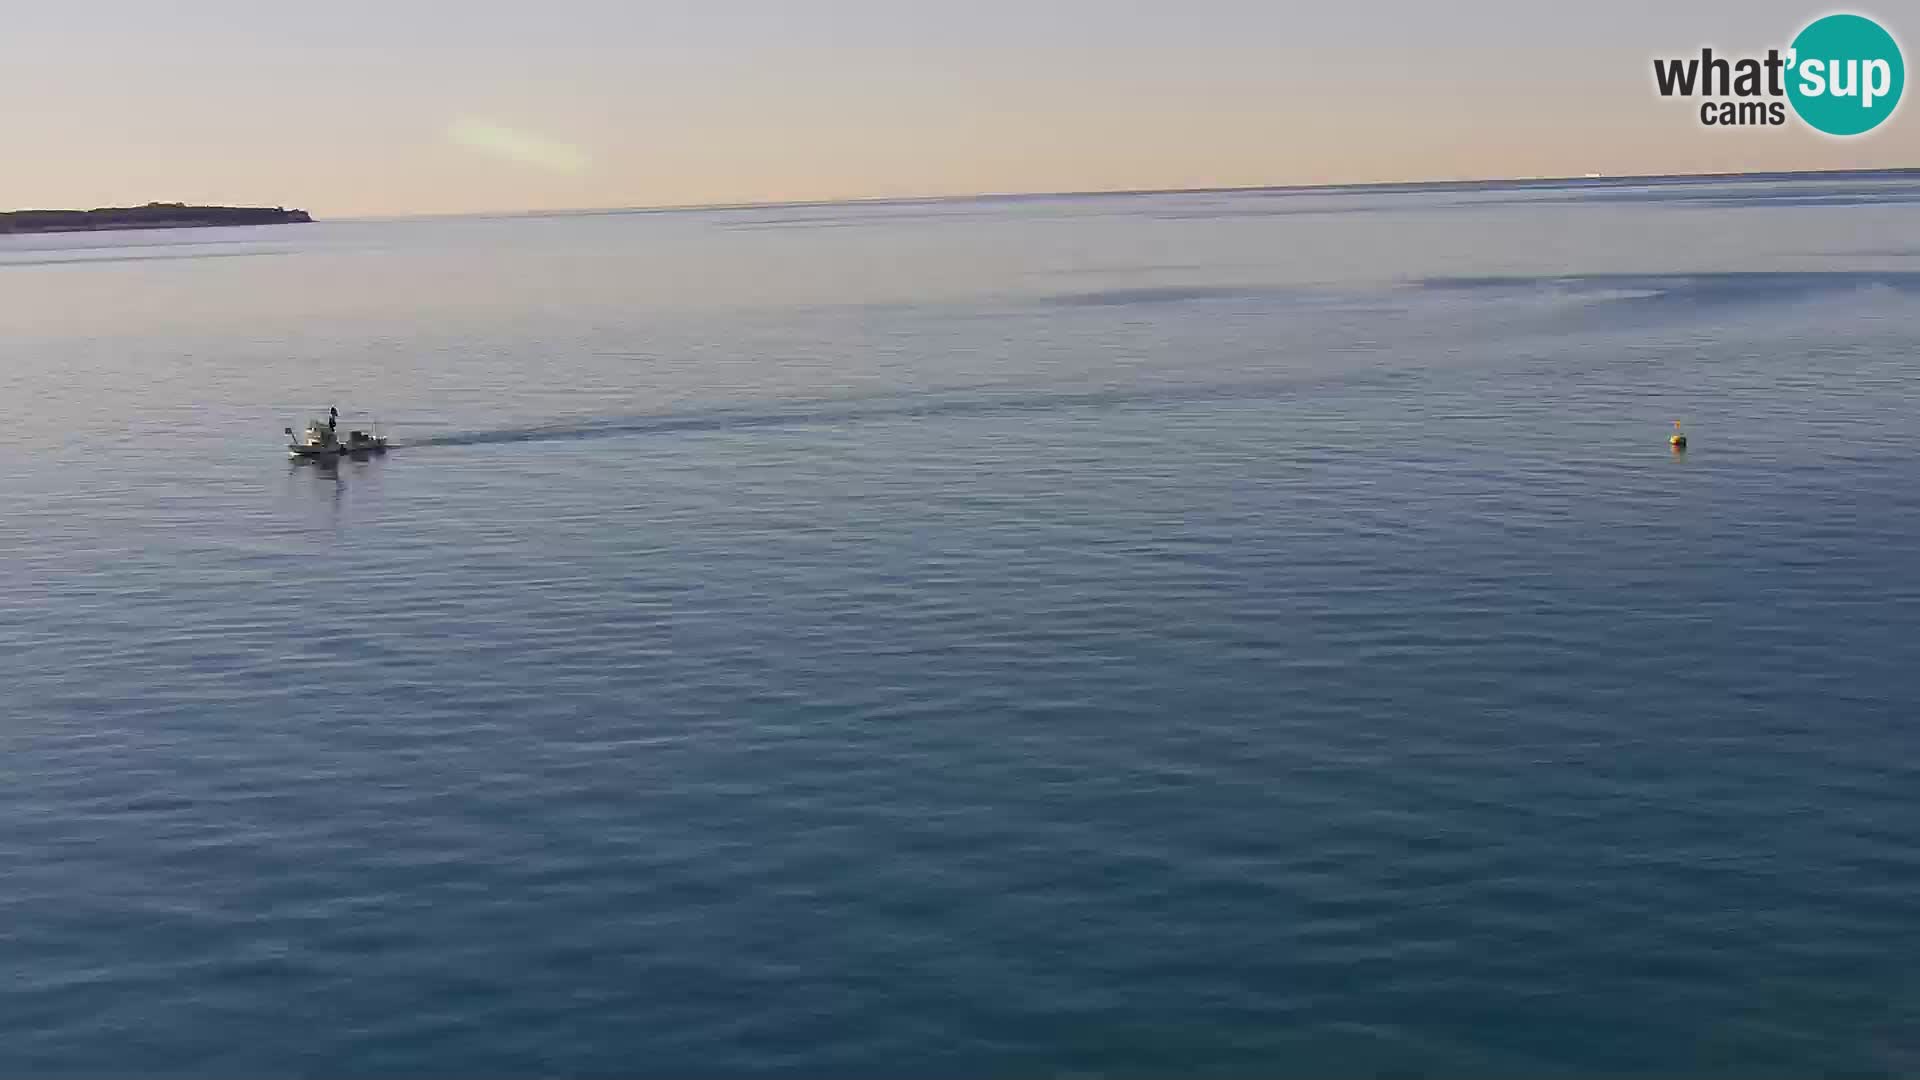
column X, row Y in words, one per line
column 155, row 215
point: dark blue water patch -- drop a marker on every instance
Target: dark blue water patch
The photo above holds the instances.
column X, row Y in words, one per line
column 1725, row 195
column 127, row 257
column 1602, row 184
column 114, row 241
column 1704, row 289
column 1204, row 214
column 1758, row 195
column 1686, row 198
column 1679, row 186
column 1159, row 294
column 804, row 223
column 852, row 215
column 1123, row 268
column 1874, row 253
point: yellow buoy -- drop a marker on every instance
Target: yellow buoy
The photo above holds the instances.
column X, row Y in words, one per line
column 1678, row 440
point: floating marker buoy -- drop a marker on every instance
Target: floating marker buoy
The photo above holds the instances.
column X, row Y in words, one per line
column 1678, row 440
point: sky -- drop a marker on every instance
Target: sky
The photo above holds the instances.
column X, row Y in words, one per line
column 394, row 107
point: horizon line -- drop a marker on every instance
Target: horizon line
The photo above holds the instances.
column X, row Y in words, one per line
column 1089, row 193
column 1362, row 185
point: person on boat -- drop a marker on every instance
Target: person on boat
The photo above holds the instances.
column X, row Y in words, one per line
column 333, row 419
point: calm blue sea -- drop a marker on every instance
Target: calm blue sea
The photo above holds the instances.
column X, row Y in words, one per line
column 1202, row 635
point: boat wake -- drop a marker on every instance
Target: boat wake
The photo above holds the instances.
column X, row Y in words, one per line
column 837, row 411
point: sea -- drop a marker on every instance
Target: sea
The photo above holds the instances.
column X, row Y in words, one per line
column 1208, row 634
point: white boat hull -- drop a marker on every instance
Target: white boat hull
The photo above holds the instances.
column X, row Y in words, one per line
column 371, row 446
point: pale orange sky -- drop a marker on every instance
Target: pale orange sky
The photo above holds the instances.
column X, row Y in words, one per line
column 364, row 108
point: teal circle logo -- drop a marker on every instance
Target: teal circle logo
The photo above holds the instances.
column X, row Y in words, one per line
column 1846, row 74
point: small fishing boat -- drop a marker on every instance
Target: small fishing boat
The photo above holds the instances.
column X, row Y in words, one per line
column 320, row 440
